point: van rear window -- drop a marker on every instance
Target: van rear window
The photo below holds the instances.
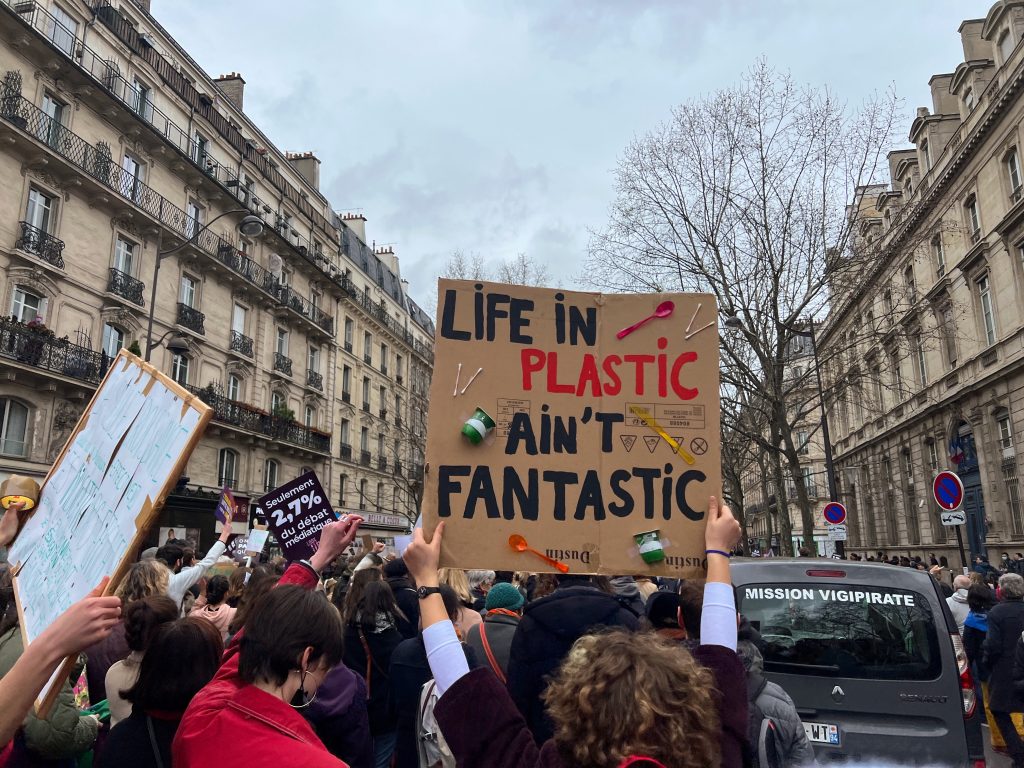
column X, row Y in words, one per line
column 849, row 631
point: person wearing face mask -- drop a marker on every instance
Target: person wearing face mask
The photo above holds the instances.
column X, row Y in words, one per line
column 271, row 670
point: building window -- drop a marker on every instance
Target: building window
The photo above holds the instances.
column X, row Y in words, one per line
column 362, row 494
column 919, row 358
column 348, row 333
column 384, row 358
column 13, row 428
column 1005, row 433
column 113, row 340
column 342, row 483
column 897, row 374
column 933, row 458
column 189, row 289
column 398, row 367
column 309, row 416
column 26, row 306
column 987, row 310
column 949, row 336
column 380, row 495
column 52, row 131
column 313, row 362
column 969, row 100
column 200, row 149
column 926, row 155
column 179, row 369
column 366, row 393
column 383, row 402
column 364, row 439
column 346, row 383
column 193, row 218
column 802, row 442
column 368, row 347
column 1005, row 46
column 227, row 468
column 142, row 101
column 281, row 346
column 910, row 283
column 1013, row 172
column 234, row 387
column 124, row 256
column 277, row 403
column 890, row 308
column 39, row 212
column 380, row 445
column 271, row 469
column 238, row 318
column 346, row 429
column 939, row 256
column 908, row 467
column 973, row 218
column 134, row 170
column 62, row 30
column 1009, row 469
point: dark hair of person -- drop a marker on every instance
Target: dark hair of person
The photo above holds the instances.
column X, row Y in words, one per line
column 236, row 586
column 216, row 590
column 452, row 605
column 188, row 557
column 183, row 656
column 691, row 604
column 285, row 622
column 377, row 598
column 354, row 594
column 8, row 607
column 396, row 569
column 170, row 554
column 504, row 577
column 142, row 618
column 261, row 581
column 603, row 583
column 980, row 598
column 546, row 584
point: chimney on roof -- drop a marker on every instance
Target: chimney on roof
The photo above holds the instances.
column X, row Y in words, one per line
column 357, row 223
column 308, row 166
column 387, row 255
column 233, row 87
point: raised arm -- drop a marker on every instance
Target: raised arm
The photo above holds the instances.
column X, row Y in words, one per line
column 718, row 619
column 86, row 622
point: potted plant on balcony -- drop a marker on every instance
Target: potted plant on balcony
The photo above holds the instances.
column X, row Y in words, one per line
column 10, row 102
column 35, row 341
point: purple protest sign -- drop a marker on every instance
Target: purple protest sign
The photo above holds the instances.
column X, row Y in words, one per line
column 296, row 511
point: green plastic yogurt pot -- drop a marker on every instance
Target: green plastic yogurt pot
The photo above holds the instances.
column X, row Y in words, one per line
column 650, row 546
column 477, row 426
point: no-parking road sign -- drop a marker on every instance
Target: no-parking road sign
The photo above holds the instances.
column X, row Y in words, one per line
column 834, row 513
column 948, row 490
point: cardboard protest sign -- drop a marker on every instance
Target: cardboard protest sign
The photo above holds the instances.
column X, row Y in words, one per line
column 102, row 494
column 600, row 452
column 296, row 512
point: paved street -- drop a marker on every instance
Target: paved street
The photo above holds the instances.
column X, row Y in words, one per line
column 993, row 759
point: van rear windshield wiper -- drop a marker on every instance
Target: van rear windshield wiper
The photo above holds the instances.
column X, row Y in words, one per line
column 831, row 668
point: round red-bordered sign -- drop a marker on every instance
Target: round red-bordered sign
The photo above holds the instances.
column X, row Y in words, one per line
column 948, row 490
column 834, row 513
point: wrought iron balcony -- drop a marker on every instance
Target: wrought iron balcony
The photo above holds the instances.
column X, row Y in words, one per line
column 315, row 380
column 346, row 451
column 348, row 346
column 283, row 364
column 241, row 344
column 41, row 349
column 365, row 458
column 382, row 463
column 346, row 397
column 397, row 466
column 399, row 378
column 42, row 244
column 126, row 286
column 384, row 368
column 229, row 480
column 191, row 318
column 368, row 359
column 366, row 405
column 383, row 413
column 244, row 416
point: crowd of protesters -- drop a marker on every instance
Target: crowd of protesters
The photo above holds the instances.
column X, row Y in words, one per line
column 352, row 659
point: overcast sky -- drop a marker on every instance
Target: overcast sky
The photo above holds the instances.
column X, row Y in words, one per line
column 493, row 127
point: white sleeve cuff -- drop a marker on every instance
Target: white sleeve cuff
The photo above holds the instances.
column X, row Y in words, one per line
column 718, row 618
column 445, row 655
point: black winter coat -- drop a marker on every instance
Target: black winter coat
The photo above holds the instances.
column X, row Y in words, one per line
column 1005, row 624
column 546, row 632
column 128, row 745
column 376, row 673
column 1018, row 669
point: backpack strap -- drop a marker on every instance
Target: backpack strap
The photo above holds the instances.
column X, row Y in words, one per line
column 490, row 654
column 426, row 700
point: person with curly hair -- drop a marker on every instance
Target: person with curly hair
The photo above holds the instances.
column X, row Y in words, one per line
column 618, row 700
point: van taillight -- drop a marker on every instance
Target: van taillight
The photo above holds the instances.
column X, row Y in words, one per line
column 827, row 574
column 967, row 692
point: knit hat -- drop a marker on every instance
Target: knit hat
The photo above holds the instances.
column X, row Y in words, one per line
column 504, row 596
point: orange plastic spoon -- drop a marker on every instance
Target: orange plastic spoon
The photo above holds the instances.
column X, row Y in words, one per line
column 518, row 543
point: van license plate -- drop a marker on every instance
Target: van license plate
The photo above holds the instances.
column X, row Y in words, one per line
column 822, row 733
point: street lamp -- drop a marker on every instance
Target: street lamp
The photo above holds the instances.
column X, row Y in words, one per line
column 735, row 323
column 249, row 226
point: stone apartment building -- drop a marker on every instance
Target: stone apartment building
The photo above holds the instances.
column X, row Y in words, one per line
column 934, row 380
column 116, row 146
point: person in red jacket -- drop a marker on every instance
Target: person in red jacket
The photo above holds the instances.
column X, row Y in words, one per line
column 247, row 717
column 618, row 700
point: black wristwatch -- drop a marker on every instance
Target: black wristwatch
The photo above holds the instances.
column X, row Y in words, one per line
column 424, row 592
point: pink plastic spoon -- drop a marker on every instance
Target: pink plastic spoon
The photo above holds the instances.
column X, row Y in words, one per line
column 664, row 310
column 518, row 543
